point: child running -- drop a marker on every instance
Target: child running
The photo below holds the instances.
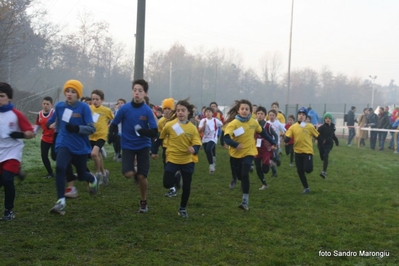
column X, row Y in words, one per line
column 289, row 147
column 46, row 141
column 14, row 127
column 101, row 117
column 239, row 135
column 138, row 127
column 72, row 143
column 302, row 132
column 117, row 143
column 210, row 126
column 184, row 143
column 265, row 149
column 280, row 130
column 168, row 106
column 325, row 143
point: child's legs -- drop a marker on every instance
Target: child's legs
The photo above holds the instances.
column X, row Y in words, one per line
column 80, row 163
column 258, row 167
column 325, row 158
column 128, row 159
column 213, row 148
column 164, row 157
column 300, row 166
column 53, row 153
column 44, row 148
column 10, row 169
column 308, row 163
column 187, row 178
column 187, row 171
column 9, row 189
column 287, row 149
column 246, row 164
column 208, row 151
column 169, row 175
column 96, row 155
column 291, row 152
column 143, row 167
column 321, row 152
column 70, row 177
column 64, row 158
column 117, row 145
column 235, row 166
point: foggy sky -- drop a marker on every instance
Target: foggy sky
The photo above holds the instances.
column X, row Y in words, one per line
column 356, row 38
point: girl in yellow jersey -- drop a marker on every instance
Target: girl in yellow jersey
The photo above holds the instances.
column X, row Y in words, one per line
column 168, row 107
column 240, row 136
column 302, row 133
column 183, row 146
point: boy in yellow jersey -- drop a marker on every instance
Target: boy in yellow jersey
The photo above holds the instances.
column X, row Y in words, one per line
column 184, row 143
column 302, row 133
column 101, row 117
column 240, row 136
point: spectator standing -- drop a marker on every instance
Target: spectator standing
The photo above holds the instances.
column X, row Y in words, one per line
column 362, row 135
column 351, row 124
column 383, row 123
column 372, row 121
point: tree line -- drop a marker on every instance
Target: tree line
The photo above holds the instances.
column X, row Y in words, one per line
column 37, row 55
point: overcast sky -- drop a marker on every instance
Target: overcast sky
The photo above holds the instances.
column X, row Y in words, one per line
column 355, row 37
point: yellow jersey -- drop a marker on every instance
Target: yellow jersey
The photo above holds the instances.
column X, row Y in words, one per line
column 181, row 136
column 101, row 116
column 243, row 133
column 161, row 124
column 302, row 137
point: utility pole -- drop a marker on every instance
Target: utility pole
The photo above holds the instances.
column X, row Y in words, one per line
column 140, row 30
column 289, row 56
column 170, row 79
column 372, row 79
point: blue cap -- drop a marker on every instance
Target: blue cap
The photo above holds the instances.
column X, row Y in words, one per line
column 303, row 110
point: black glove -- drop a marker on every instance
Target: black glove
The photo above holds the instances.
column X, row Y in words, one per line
column 17, row 135
column 336, row 143
column 112, row 133
column 72, row 128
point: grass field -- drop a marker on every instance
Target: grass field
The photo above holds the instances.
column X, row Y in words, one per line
column 355, row 209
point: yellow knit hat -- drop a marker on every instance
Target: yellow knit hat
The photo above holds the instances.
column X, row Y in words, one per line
column 76, row 85
column 168, row 103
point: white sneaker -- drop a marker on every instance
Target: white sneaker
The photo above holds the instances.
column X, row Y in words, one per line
column 106, row 178
column 263, row 187
column 71, row 192
column 212, row 169
column 103, row 153
column 100, row 178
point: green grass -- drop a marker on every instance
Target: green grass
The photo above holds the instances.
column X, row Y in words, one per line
column 355, row 208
